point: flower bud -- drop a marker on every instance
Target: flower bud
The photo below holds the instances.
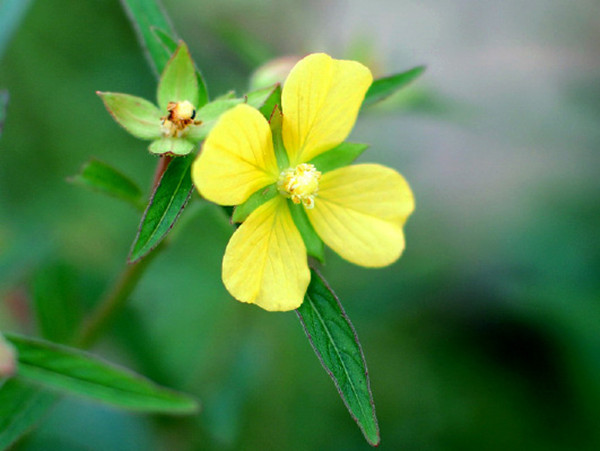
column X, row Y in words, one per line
column 275, row 71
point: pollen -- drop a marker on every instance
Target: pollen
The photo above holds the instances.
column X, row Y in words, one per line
column 180, row 115
column 301, row 184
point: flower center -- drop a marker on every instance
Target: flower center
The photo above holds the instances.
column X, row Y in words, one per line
column 300, row 184
column 179, row 116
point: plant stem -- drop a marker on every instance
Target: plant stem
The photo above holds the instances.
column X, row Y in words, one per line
column 118, row 295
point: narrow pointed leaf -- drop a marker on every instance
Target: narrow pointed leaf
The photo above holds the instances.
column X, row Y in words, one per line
column 384, row 87
column 138, row 116
column 22, row 406
column 178, row 81
column 242, row 211
column 3, row 104
column 57, row 307
column 170, row 46
column 101, row 177
column 339, row 156
column 144, row 16
column 336, row 344
column 72, row 371
column 168, row 201
column 314, row 244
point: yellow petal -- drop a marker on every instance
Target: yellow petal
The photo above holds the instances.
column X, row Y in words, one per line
column 320, row 101
column 359, row 213
column 237, row 158
column 265, row 261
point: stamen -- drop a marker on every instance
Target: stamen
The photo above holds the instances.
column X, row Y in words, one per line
column 180, row 116
column 301, row 184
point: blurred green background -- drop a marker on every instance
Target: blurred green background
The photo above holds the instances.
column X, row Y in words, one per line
column 485, row 335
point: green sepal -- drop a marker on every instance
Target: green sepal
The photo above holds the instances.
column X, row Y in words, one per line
column 334, row 340
column 275, row 122
column 178, row 81
column 338, row 157
column 170, row 45
column 265, row 99
column 242, row 211
column 72, row 371
column 103, row 178
column 312, row 241
column 171, row 146
column 22, row 406
column 386, row 86
column 208, row 116
column 138, row 116
column 168, row 201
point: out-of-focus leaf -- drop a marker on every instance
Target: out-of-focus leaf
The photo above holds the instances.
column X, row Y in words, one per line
column 145, row 15
column 104, row 178
column 72, row 371
column 314, row 244
column 178, row 81
column 57, row 309
column 138, row 116
column 3, row 104
column 21, row 407
column 336, row 344
column 265, row 99
column 12, row 13
column 246, row 45
column 242, row 211
column 339, row 156
column 386, row 86
column 170, row 45
column 168, row 201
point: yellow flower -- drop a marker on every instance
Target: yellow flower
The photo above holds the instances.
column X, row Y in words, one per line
column 358, row 210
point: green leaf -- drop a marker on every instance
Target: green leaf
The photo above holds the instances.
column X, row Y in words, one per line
column 312, row 241
column 56, row 302
column 242, row 211
column 208, row 116
column 178, row 81
column 72, row 371
column 265, row 99
column 105, row 179
column 144, row 16
column 336, row 344
column 3, row 103
column 384, row 87
column 170, row 46
column 171, row 146
column 168, row 201
column 339, row 156
column 138, row 116
column 22, row 406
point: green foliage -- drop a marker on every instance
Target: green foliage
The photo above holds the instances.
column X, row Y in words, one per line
column 336, row 344
column 11, row 14
column 71, row 371
column 57, row 306
column 265, row 100
column 314, row 244
column 178, row 81
column 3, row 105
column 339, row 156
column 385, row 87
column 22, row 406
column 105, row 179
column 168, row 201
